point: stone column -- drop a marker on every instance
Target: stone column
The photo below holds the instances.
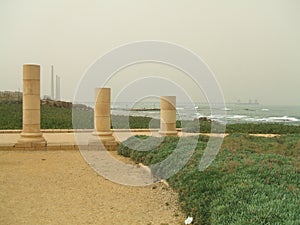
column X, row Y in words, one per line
column 168, row 116
column 102, row 118
column 31, row 132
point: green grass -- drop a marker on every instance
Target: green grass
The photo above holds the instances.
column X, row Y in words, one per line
column 51, row 117
column 10, row 116
column 134, row 122
column 61, row 118
column 253, row 180
column 247, row 128
column 262, row 128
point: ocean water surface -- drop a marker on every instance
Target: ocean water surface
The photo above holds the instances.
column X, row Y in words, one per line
column 232, row 113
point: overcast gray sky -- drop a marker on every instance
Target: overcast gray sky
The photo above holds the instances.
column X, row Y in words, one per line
column 251, row 46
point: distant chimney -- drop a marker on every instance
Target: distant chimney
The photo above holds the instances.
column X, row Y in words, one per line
column 52, row 82
column 57, row 88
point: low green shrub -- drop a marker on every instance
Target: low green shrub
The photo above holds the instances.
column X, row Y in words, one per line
column 253, row 180
column 11, row 116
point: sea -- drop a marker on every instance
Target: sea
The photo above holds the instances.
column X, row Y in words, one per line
column 232, row 113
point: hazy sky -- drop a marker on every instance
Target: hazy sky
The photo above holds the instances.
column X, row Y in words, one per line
column 252, row 46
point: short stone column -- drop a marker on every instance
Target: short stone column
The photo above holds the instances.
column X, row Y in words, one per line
column 168, row 116
column 102, row 118
column 31, row 132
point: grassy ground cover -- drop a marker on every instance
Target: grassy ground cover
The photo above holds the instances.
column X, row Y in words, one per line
column 10, row 116
column 248, row 128
column 253, row 180
column 61, row 118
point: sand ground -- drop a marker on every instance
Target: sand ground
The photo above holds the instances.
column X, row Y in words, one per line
column 59, row 187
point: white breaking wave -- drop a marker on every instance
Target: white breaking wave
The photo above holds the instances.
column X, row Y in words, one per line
column 274, row 119
column 283, row 119
column 238, row 117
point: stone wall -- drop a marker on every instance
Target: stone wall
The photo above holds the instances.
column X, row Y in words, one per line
column 10, row 96
column 16, row 96
column 60, row 104
column 68, row 105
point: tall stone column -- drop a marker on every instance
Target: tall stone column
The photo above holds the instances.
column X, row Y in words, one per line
column 168, row 116
column 102, row 118
column 31, row 132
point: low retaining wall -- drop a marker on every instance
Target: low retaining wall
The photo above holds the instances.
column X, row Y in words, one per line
column 82, row 130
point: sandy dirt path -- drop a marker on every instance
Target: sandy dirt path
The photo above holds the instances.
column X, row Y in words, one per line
column 58, row 187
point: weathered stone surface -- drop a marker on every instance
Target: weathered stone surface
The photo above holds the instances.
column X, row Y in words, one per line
column 102, row 122
column 168, row 116
column 31, row 132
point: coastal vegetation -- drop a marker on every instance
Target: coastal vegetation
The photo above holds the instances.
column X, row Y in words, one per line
column 62, row 118
column 247, row 128
column 54, row 117
column 253, row 180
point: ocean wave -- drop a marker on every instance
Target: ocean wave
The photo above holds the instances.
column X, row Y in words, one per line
column 238, row 117
column 216, row 117
column 274, row 119
column 283, row 119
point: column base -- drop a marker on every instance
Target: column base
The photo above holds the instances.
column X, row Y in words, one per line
column 31, row 137
column 103, row 141
column 31, row 141
column 168, row 133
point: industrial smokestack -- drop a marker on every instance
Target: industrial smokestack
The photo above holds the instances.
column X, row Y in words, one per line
column 57, row 88
column 52, row 82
